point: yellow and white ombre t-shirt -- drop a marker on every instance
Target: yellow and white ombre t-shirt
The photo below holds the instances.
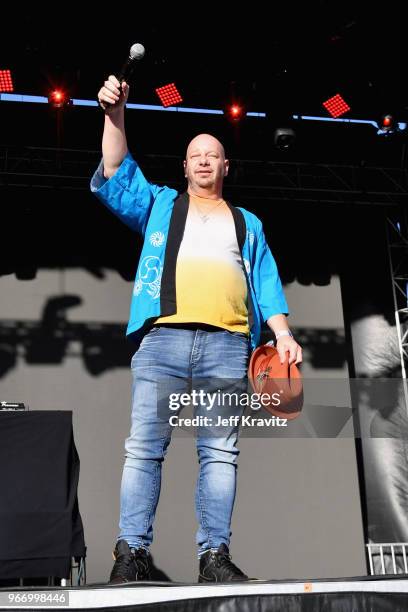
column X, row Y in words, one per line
column 210, row 282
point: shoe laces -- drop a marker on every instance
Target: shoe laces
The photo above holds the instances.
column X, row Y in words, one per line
column 124, row 561
column 224, row 560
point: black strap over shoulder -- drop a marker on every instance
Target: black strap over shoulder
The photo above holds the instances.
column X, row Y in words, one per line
column 176, row 230
column 240, row 225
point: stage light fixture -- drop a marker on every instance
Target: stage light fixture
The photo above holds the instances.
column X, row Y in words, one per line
column 387, row 125
column 387, row 122
column 336, row 106
column 58, row 98
column 169, row 95
column 6, row 81
column 283, row 138
column 235, row 112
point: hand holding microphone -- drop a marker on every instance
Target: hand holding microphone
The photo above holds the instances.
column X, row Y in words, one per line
column 113, row 95
column 115, row 91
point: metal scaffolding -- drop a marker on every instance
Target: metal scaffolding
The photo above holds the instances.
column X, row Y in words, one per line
column 397, row 241
column 250, row 179
column 391, row 558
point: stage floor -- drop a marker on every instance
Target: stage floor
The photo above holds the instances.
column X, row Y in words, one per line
column 372, row 593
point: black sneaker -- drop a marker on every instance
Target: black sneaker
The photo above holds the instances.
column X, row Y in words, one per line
column 216, row 566
column 131, row 564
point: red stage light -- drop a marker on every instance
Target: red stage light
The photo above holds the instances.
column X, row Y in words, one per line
column 387, row 125
column 169, row 95
column 336, row 106
column 387, row 121
column 6, row 82
column 58, row 98
column 235, row 112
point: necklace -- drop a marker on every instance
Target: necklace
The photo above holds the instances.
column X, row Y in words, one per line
column 205, row 216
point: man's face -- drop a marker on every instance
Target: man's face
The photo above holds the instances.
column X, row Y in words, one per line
column 205, row 165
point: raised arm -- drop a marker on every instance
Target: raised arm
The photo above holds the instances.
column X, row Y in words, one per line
column 112, row 97
column 118, row 181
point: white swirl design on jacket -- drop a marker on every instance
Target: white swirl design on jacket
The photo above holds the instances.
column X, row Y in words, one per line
column 156, row 239
column 149, row 276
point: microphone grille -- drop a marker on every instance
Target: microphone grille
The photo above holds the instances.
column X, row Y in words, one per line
column 137, row 51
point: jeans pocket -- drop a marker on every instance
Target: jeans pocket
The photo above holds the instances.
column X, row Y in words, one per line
column 240, row 338
column 146, row 341
column 153, row 331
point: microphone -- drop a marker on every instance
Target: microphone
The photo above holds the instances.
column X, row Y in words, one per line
column 136, row 52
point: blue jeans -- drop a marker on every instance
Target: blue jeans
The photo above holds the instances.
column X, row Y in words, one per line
column 180, row 357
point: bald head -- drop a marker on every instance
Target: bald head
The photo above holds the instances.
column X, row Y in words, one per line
column 207, row 142
column 205, row 166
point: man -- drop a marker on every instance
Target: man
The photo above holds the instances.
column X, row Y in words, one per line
column 206, row 281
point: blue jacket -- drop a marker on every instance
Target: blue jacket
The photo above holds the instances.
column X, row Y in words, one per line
column 159, row 214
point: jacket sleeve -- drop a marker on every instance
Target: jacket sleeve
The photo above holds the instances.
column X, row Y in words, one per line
column 267, row 284
column 127, row 193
